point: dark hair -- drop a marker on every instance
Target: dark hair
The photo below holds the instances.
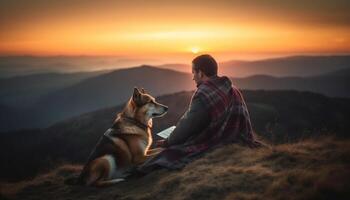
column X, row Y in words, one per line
column 206, row 63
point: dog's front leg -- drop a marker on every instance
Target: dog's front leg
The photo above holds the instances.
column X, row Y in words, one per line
column 141, row 159
column 150, row 153
column 153, row 152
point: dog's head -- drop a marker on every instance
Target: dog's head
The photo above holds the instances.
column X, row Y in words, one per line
column 145, row 107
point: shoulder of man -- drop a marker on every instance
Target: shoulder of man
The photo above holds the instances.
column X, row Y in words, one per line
column 209, row 90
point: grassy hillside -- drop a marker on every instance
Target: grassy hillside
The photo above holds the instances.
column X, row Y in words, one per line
column 310, row 169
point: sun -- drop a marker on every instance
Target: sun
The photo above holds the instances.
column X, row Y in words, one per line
column 195, row 50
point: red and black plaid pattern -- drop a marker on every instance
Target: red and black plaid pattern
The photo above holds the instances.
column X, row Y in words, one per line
column 230, row 122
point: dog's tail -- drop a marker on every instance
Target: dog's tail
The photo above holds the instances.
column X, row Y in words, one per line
column 109, row 182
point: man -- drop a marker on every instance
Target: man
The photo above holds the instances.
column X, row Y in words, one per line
column 217, row 115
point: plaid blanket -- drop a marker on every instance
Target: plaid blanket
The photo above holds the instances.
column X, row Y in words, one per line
column 230, row 122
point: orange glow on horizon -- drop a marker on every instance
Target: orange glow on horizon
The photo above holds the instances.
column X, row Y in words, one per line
column 136, row 31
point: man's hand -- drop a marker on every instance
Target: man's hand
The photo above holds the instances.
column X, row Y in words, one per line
column 161, row 143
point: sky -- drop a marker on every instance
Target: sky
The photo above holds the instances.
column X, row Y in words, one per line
column 174, row 30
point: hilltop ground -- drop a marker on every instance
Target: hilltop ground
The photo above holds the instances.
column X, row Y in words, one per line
column 315, row 168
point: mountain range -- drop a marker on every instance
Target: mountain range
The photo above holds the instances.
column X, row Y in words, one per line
column 299, row 66
column 39, row 100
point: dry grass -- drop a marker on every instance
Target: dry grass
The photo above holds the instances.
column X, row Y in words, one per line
column 310, row 169
column 58, row 175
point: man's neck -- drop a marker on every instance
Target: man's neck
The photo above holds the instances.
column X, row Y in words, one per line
column 206, row 78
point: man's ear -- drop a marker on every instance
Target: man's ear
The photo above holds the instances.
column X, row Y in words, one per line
column 200, row 73
column 137, row 95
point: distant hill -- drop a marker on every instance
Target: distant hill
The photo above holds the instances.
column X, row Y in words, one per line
column 334, row 84
column 186, row 68
column 338, row 73
column 329, row 75
column 277, row 116
column 97, row 92
column 108, row 90
column 29, row 65
column 300, row 66
column 23, row 91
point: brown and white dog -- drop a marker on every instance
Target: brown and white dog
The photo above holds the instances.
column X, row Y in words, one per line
column 126, row 144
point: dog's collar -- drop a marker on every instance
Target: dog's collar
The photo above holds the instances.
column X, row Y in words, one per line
column 136, row 122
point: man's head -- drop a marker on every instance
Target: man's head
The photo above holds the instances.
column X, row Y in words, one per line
column 204, row 67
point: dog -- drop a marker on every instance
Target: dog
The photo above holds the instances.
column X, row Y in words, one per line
column 126, row 144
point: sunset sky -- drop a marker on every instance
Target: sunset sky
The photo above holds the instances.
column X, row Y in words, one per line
column 174, row 30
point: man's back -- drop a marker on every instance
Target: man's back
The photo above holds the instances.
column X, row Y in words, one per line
column 226, row 110
column 217, row 115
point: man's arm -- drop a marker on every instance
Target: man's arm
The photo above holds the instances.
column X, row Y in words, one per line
column 195, row 119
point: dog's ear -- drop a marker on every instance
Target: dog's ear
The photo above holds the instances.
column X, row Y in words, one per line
column 143, row 90
column 136, row 97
